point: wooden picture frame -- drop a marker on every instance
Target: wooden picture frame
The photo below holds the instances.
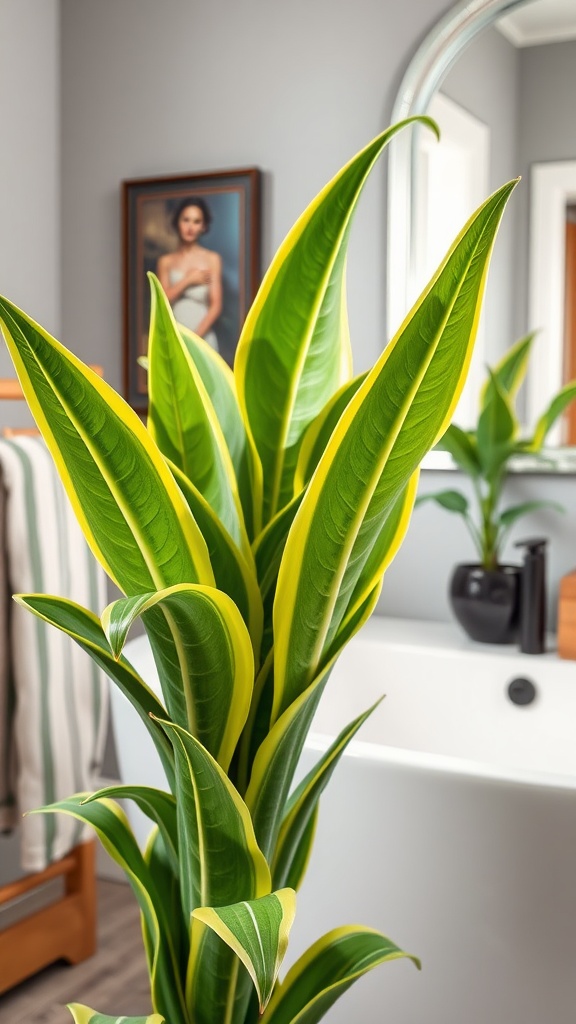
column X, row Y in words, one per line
column 154, row 213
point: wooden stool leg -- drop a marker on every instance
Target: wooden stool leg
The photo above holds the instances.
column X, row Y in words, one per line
column 81, row 887
column 64, row 930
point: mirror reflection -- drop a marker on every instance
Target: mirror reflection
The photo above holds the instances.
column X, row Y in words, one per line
column 504, row 102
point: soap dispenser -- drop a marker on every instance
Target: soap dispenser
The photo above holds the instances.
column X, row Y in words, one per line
column 533, row 596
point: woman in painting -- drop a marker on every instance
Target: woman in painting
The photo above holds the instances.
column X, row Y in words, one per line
column 192, row 275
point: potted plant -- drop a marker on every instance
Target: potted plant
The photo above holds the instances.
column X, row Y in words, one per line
column 485, row 595
column 249, row 526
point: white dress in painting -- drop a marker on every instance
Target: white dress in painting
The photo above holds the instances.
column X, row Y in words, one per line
column 191, row 306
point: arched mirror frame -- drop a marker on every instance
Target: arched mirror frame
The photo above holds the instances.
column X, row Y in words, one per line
column 425, row 73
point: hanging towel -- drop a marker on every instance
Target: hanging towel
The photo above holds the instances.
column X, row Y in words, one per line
column 53, row 698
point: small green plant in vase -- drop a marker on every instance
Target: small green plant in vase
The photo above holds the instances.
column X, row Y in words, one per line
column 490, row 588
column 249, row 526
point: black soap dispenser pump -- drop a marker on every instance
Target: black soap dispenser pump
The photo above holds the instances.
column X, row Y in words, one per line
column 533, row 596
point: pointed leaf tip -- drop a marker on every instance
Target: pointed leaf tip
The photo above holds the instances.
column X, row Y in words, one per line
column 257, row 931
column 84, row 1015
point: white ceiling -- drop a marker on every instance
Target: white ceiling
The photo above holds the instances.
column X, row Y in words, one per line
column 542, row 21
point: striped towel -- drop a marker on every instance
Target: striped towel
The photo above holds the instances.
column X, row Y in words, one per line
column 53, row 698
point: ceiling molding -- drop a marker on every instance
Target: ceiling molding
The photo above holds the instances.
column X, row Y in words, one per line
column 549, row 21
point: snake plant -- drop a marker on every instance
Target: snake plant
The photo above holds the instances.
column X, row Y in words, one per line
column 484, row 454
column 248, row 525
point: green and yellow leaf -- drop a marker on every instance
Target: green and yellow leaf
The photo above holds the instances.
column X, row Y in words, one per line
column 86, row 630
column 268, row 549
column 303, row 802
column 511, row 369
column 383, row 551
column 275, row 764
column 156, row 804
column 302, row 854
column 111, row 825
column 257, row 931
column 320, row 431
column 137, row 524
column 167, row 885
column 220, row 864
column 84, row 1015
column 557, row 406
column 294, row 350
column 182, row 419
column 216, row 837
column 326, row 970
column 277, row 756
column 205, row 659
column 401, row 409
column 234, row 571
column 219, row 382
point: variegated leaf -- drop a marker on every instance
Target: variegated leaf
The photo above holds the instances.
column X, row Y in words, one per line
column 219, row 382
column 325, row 971
column 303, row 802
column 511, row 369
column 111, row 825
column 320, row 431
column 136, row 522
column 557, row 406
column 204, row 657
column 157, row 805
column 86, row 630
column 216, row 835
column 277, row 756
column 257, row 931
column 294, row 350
column 182, row 420
column 234, row 572
column 84, row 1015
column 396, row 416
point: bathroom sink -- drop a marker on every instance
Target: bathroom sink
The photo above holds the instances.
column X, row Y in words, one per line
column 449, row 696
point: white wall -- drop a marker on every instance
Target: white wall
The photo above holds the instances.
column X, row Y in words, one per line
column 547, row 128
column 486, row 82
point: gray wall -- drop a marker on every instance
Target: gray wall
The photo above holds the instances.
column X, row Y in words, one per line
column 29, row 166
column 29, row 192
column 153, row 89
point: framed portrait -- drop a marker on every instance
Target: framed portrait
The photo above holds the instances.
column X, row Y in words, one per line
column 200, row 234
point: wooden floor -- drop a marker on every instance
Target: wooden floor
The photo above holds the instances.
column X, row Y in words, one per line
column 114, row 981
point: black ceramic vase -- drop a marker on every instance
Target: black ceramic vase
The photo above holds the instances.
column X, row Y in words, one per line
column 486, row 602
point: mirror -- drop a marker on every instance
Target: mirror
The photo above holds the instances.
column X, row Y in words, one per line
column 484, row 72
